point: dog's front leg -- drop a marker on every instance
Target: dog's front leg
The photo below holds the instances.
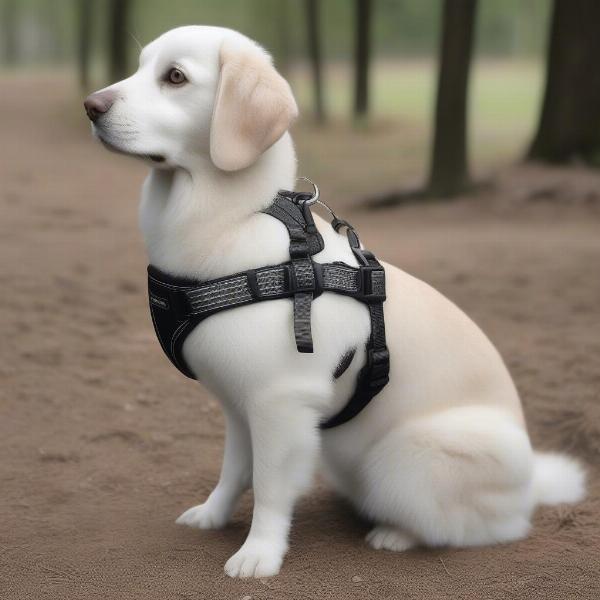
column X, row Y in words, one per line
column 285, row 443
column 236, row 473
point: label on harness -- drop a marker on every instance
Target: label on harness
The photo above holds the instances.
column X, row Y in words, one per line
column 160, row 302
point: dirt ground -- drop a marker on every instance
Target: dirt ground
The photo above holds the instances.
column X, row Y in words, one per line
column 103, row 444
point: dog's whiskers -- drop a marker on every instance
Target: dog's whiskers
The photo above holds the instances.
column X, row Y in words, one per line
column 139, row 45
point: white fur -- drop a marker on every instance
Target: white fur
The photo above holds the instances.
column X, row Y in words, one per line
column 557, row 479
column 440, row 457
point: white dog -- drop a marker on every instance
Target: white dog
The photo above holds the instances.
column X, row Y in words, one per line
column 441, row 456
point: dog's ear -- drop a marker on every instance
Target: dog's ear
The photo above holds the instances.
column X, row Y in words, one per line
column 254, row 106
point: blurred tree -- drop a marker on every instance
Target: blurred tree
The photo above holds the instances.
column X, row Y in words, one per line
column 8, row 21
column 449, row 173
column 50, row 36
column 316, row 60
column 362, row 52
column 569, row 125
column 118, row 15
column 266, row 21
column 84, row 41
column 284, row 47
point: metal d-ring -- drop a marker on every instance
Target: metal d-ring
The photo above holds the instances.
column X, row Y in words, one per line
column 316, row 193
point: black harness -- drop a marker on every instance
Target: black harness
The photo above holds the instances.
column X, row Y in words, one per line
column 178, row 304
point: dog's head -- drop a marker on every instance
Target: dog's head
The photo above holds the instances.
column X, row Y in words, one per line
column 199, row 93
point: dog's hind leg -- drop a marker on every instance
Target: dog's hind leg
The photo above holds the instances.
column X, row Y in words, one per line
column 390, row 537
column 462, row 477
column 236, row 474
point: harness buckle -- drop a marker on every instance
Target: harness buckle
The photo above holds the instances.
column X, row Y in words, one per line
column 378, row 367
column 372, row 283
column 364, row 257
column 304, row 275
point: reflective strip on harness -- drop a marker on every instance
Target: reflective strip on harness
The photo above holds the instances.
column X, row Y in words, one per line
column 200, row 300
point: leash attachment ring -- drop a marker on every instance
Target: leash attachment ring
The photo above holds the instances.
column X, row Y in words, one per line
column 315, row 194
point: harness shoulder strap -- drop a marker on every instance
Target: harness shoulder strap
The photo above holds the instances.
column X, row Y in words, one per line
column 305, row 240
column 296, row 216
column 374, row 375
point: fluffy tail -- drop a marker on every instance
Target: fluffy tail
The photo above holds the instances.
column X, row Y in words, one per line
column 557, row 478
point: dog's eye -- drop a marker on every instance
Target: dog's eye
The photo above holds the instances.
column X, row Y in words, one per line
column 176, row 76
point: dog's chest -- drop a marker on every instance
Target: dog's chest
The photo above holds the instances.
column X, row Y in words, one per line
column 241, row 351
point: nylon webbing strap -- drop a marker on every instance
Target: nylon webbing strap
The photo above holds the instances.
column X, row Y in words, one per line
column 303, row 279
column 305, row 240
column 302, row 329
column 203, row 299
column 374, row 376
column 302, row 274
column 296, row 216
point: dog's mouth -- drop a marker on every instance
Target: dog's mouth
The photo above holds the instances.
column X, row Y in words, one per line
column 156, row 158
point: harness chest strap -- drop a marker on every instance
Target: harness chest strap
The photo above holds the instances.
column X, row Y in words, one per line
column 177, row 304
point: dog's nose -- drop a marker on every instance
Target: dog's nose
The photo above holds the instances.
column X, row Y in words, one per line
column 98, row 103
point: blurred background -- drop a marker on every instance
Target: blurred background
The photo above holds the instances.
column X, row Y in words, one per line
column 372, row 62
column 449, row 90
column 444, row 93
column 460, row 137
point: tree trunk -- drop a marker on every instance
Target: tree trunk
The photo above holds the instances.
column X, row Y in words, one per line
column 84, row 41
column 314, row 52
column 449, row 173
column 362, row 51
column 10, row 50
column 569, row 126
column 51, row 36
column 117, row 39
column 284, row 47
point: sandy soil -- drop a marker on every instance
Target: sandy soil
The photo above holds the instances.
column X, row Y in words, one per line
column 103, row 444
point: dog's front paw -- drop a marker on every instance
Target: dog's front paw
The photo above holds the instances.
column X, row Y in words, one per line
column 204, row 516
column 255, row 559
